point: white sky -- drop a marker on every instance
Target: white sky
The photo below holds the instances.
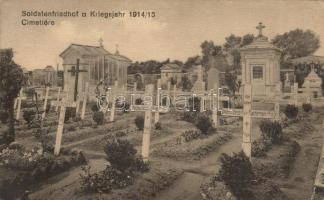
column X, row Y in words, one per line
column 176, row 32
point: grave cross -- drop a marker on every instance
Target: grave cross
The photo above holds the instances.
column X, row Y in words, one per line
column 63, row 104
column 260, row 27
column 19, row 98
column 75, row 71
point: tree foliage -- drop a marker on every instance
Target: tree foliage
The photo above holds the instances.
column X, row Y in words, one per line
column 11, row 81
column 297, row 43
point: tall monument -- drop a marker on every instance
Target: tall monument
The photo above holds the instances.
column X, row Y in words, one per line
column 261, row 65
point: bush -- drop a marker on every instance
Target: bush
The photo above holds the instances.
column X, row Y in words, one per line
column 94, row 107
column 139, row 165
column 98, row 117
column 4, row 116
column 190, row 135
column 194, row 104
column 69, row 113
column 271, row 131
column 307, row 107
column 291, row 111
column 104, row 181
column 204, row 124
column 189, row 116
column 29, row 116
column 139, row 101
column 139, row 122
column 158, row 126
column 120, row 153
column 236, row 172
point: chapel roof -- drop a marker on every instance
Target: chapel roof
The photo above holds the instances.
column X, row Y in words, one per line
column 260, row 42
column 94, row 51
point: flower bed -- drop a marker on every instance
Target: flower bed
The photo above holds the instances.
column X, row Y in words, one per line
column 32, row 166
column 194, row 150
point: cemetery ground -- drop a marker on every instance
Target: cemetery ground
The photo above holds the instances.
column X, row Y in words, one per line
column 182, row 166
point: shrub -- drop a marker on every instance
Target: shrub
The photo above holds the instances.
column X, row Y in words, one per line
column 98, row 117
column 190, row 135
column 236, row 172
column 189, row 116
column 307, row 107
column 48, row 107
column 120, row 153
column 204, row 124
column 271, row 131
column 94, row 107
column 139, row 165
column 291, row 111
column 139, row 101
column 194, row 104
column 158, row 126
column 28, row 116
column 4, row 116
column 69, row 113
column 139, row 122
column 104, row 181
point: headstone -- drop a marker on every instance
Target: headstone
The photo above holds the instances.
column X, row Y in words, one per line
column 45, row 102
column 215, row 105
column 199, row 85
column 157, row 113
column 247, row 120
column 147, row 126
column 84, row 102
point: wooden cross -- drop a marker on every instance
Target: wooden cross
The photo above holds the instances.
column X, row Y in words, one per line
column 45, row 102
column 147, row 126
column 63, row 104
column 19, row 98
column 75, row 71
column 260, row 27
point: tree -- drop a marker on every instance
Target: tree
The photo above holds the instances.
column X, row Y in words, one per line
column 192, row 61
column 11, row 81
column 209, row 50
column 231, row 82
column 185, row 83
column 297, row 43
column 247, row 39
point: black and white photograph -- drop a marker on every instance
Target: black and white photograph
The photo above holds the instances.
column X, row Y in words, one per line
column 161, row 100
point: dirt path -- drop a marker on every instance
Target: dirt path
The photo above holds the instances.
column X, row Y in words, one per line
column 188, row 186
column 299, row 185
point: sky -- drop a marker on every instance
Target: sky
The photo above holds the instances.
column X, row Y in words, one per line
column 176, row 31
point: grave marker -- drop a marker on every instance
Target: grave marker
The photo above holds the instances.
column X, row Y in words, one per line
column 113, row 103
column 247, row 120
column 58, row 98
column 157, row 113
column 19, row 98
column 147, row 126
column 215, row 105
column 84, row 102
column 63, row 104
column 45, row 102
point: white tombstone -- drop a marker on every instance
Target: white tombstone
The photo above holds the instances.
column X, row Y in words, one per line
column 58, row 98
column 19, row 98
column 215, row 105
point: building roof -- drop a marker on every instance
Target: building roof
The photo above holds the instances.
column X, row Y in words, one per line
column 94, row 51
column 171, row 66
column 260, row 42
column 308, row 60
